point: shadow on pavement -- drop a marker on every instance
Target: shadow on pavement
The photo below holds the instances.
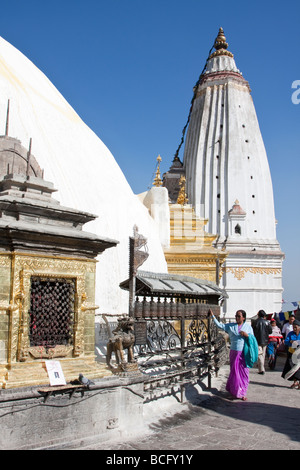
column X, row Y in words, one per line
column 280, row 418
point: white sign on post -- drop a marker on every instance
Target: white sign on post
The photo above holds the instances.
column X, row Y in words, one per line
column 55, row 373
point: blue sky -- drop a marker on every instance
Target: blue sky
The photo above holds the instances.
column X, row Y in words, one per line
column 128, row 68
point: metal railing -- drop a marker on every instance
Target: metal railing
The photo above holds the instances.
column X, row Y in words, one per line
column 175, row 350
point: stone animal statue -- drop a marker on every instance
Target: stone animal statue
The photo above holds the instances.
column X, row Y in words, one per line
column 123, row 338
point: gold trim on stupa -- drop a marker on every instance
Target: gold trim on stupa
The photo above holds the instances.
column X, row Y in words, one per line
column 182, row 197
column 191, row 251
column 157, row 180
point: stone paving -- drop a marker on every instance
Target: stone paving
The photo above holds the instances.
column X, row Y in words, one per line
column 268, row 420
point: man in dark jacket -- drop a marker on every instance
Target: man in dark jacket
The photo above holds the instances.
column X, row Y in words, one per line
column 262, row 329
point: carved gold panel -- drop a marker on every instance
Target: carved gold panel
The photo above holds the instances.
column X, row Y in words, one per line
column 239, row 273
column 23, row 267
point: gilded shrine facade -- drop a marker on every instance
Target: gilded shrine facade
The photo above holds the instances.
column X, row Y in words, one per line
column 47, row 276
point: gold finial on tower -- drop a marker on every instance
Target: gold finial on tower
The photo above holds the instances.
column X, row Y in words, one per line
column 220, row 42
column 182, row 198
column 157, row 180
column 220, row 45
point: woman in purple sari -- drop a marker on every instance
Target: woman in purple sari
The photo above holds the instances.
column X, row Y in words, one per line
column 238, row 380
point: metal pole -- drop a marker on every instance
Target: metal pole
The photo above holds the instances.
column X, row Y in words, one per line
column 132, row 279
column 7, row 119
column 182, row 323
column 217, row 270
column 209, row 350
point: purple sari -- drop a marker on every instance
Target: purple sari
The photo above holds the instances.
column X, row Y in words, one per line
column 238, row 380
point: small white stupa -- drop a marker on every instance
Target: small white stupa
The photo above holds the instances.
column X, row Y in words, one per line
column 228, row 182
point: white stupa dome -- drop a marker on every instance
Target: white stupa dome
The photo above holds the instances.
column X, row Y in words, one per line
column 80, row 166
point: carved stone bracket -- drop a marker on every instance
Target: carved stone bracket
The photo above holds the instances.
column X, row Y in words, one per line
column 40, row 352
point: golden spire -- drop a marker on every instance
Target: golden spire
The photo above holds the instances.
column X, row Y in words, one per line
column 220, row 45
column 182, row 198
column 157, row 180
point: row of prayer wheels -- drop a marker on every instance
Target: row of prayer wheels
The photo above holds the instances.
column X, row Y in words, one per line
column 173, row 308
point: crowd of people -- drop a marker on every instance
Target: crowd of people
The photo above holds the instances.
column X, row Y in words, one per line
column 251, row 343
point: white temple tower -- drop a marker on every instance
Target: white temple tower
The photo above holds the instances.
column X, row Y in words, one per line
column 229, row 183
